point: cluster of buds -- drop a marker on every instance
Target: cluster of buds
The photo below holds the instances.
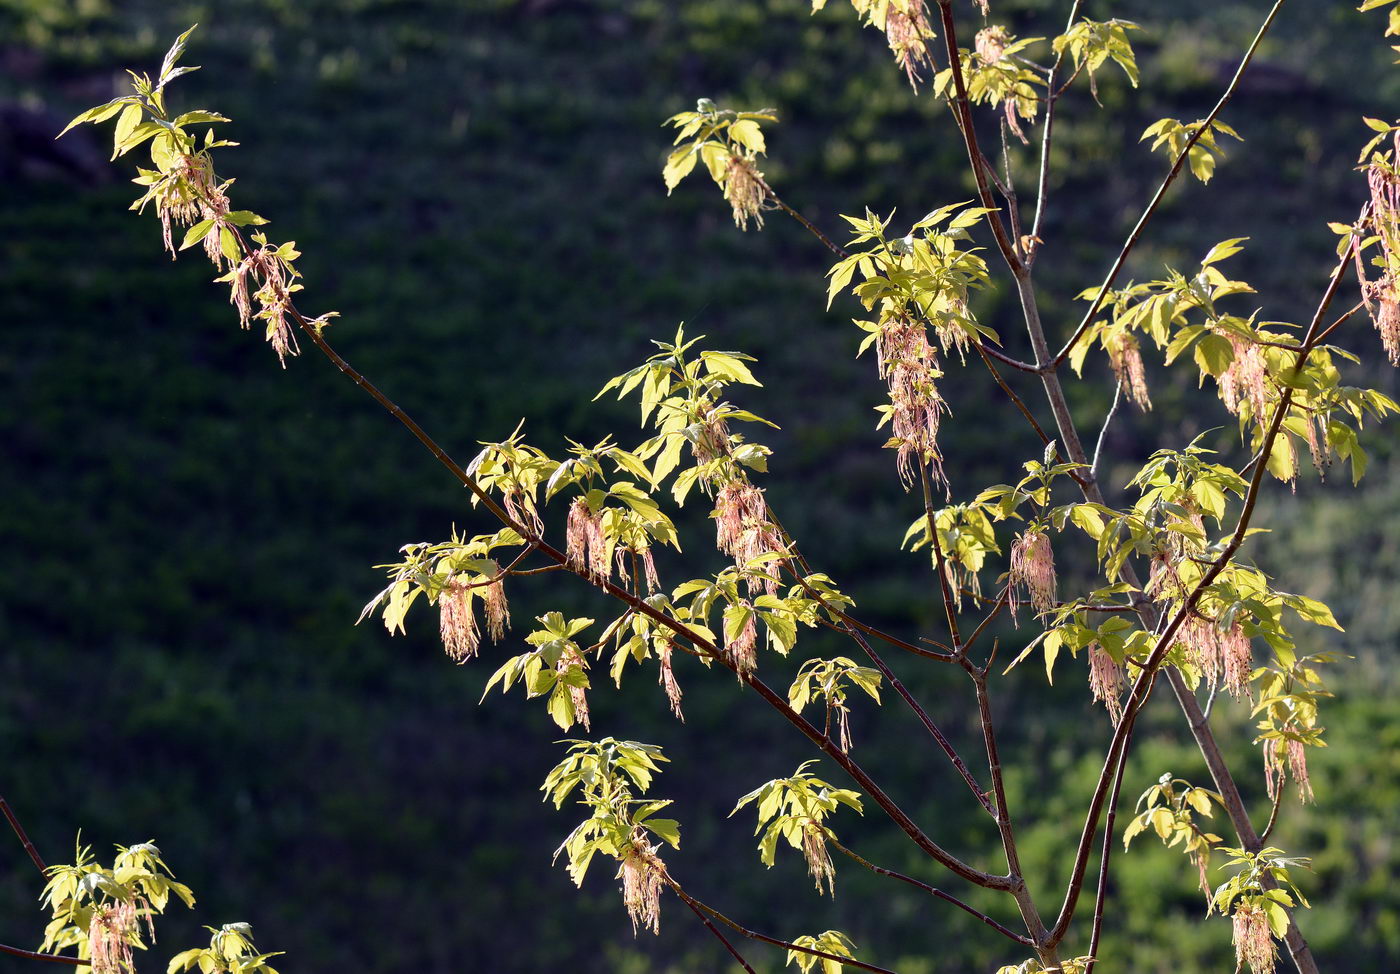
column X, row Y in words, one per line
column 643, row 875
column 745, row 190
column 1254, row 942
column 744, row 531
column 1382, row 297
column 1217, row 652
column 667, row 679
column 908, row 31
column 711, row 439
column 908, row 364
column 1032, row 571
column 1125, row 355
column 457, row 621
column 990, row 44
column 1106, row 681
column 819, row 864
column 1285, row 757
column 585, row 545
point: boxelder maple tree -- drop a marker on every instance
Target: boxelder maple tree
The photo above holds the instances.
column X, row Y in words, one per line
column 1175, row 599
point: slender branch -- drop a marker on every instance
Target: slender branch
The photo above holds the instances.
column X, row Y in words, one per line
column 963, row 112
column 1036, row 927
column 1273, row 818
column 1007, row 360
column 924, row 719
column 987, row 620
column 1052, row 97
column 709, row 925
column 1102, row 897
column 808, row 224
column 1151, row 210
column 1020, row 938
column 743, row 931
column 51, row 958
column 23, row 836
column 940, row 563
column 1103, row 431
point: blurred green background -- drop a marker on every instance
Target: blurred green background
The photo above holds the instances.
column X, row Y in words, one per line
column 189, row 531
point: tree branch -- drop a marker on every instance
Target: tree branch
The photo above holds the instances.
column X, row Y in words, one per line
column 1020, row 938
column 963, row 112
column 23, row 836
column 1051, row 97
column 743, row 931
column 51, row 958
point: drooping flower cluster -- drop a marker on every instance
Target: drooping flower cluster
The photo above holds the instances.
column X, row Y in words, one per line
column 461, row 638
column 584, row 544
column 187, row 197
column 1106, row 681
column 1285, row 758
column 457, row 621
column 1245, row 379
column 1125, row 355
column 746, row 191
column 818, row 856
column 1217, row 652
column 909, row 365
column 497, row 609
column 742, row 649
column 111, row 934
column 1032, row 571
column 568, row 660
column 1382, row 296
column 1254, row 943
column 667, row 679
column 265, row 268
column 643, row 875
column 744, row 531
column 908, row 32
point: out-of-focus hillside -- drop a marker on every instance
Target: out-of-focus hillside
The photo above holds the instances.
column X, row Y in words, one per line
column 189, row 531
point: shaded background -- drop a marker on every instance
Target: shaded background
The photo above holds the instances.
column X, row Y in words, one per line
column 189, row 531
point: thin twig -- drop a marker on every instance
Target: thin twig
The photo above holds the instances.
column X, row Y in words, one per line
column 963, row 110
column 23, row 836
column 1102, row 897
column 1103, row 431
column 743, row 931
column 709, row 925
column 1020, row 938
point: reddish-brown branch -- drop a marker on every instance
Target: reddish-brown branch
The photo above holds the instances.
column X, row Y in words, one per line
column 1020, row 938
column 709, row 925
column 50, row 958
column 743, row 931
column 1101, row 899
column 962, row 109
column 23, row 836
